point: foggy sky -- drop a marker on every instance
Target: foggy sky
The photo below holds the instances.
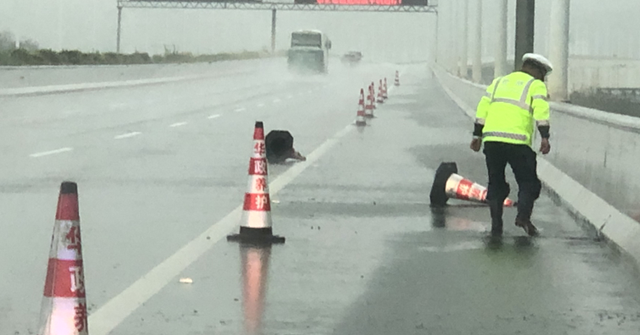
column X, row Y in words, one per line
column 602, row 28
column 91, row 25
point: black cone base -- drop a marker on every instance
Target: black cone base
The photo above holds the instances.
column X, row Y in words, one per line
column 438, row 195
column 256, row 236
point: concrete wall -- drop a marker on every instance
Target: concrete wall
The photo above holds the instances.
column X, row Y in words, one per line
column 29, row 76
column 593, row 164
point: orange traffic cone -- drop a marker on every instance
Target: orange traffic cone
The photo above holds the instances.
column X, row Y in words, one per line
column 385, row 92
column 368, row 110
column 256, row 218
column 397, row 81
column 372, row 95
column 449, row 184
column 360, row 121
column 380, row 90
column 458, row 187
column 64, row 307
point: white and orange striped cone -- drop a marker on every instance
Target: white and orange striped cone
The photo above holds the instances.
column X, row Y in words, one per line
column 448, row 184
column 64, row 307
column 397, row 81
column 380, row 90
column 372, row 90
column 458, row 187
column 368, row 110
column 256, row 217
column 385, row 92
column 360, row 117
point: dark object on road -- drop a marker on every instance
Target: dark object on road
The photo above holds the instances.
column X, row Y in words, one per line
column 279, row 144
column 352, row 57
column 438, row 195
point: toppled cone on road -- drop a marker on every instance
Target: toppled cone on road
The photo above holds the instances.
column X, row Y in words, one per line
column 256, row 222
column 279, row 146
column 64, row 306
column 448, row 184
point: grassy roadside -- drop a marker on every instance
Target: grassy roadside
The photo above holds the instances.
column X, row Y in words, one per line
column 23, row 57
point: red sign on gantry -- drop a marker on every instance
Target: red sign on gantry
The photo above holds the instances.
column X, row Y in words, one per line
column 359, row 2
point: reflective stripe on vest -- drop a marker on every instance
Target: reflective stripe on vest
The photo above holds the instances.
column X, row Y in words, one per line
column 522, row 103
column 501, row 134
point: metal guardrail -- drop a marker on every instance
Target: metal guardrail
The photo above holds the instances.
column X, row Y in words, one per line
column 271, row 6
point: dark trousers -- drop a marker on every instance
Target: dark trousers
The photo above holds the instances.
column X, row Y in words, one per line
column 522, row 160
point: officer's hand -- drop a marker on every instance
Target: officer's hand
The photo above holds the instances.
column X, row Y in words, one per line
column 476, row 143
column 545, row 147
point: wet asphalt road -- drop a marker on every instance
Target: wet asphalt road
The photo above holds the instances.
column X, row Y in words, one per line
column 364, row 253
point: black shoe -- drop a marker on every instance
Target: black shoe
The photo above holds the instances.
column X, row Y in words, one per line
column 496, row 229
column 496, row 232
column 496, row 217
column 528, row 227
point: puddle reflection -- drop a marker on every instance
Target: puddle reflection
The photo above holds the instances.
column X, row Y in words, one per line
column 255, row 270
column 441, row 217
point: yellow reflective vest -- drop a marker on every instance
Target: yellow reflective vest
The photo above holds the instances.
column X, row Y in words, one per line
column 509, row 108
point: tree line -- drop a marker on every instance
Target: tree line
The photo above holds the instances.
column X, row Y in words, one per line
column 27, row 52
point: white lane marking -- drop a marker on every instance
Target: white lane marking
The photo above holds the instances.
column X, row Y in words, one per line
column 127, row 135
column 241, row 109
column 52, row 152
column 214, row 116
column 178, row 124
column 116, row 310
column 275, row 101
column 260, row 105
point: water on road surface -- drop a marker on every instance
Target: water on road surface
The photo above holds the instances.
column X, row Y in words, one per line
column 365, row 254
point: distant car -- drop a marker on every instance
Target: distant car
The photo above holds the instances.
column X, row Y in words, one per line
column 352, row 57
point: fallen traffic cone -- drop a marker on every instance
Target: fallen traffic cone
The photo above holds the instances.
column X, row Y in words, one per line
column 279, row 146
column 380, row 90
column 385, row 92
column 368, row 110
column 64, row 307
column 448, row 184
column 256, row 217
column 360, row 121
column 397, row 81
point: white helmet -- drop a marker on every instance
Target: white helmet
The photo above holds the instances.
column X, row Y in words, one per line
column 544, row 62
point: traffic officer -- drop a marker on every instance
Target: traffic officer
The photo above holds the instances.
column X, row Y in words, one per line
column 505, row 123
